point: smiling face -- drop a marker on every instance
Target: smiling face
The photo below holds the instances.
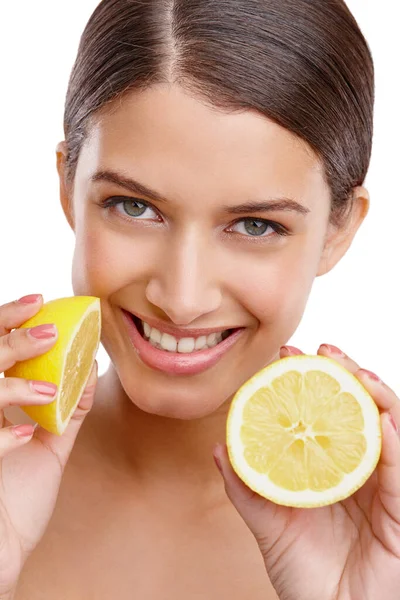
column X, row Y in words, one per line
column 191, row 245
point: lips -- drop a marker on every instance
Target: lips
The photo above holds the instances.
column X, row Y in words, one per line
column 176, row 363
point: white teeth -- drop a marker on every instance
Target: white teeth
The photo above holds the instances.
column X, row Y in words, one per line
column 168, row 342
column 155, row 336
column 200, row 343
column 186, row 345
column 212, row 340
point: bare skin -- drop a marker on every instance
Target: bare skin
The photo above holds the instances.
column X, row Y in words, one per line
column 142, row 510
column 127, row 535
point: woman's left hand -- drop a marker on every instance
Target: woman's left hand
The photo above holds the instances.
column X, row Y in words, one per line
column 346, row 551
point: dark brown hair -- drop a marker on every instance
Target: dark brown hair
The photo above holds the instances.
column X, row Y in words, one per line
column 302, row 63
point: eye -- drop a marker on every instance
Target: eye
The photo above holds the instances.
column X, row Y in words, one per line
column 136, row 209
column 257, row 227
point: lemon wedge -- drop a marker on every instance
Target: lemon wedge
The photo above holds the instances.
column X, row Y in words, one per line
column 68, row 363
column 304, row 432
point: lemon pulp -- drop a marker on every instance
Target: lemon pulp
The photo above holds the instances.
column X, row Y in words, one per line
column 304, row 432
column 68, row 363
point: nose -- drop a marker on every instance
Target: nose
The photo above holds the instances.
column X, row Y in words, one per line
column 184, row 284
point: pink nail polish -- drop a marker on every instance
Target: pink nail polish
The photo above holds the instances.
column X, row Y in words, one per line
column 43, row 332
column 393, row 422
column 371, row 375
column 291, row 350
column 44, row 388
column 31, row 299
column 24, row 431
column 218, row 463
column 333, row 349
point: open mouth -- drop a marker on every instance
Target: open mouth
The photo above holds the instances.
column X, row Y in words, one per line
column 182, row 345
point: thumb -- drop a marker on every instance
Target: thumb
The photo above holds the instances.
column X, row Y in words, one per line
column 62, row 445
column 265, row 519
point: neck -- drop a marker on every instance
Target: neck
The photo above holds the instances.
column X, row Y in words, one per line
column 157, row 451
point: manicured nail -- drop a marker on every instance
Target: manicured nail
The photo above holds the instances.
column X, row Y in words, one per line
column 291, row 350
column 43, row 332
column 393, row 422
column 44, row 388
column 24, row 431
column 31, row 299
column 372, row 375
column 333, row 350
column 217, row 460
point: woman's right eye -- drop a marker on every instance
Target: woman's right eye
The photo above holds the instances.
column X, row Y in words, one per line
column 136, row 209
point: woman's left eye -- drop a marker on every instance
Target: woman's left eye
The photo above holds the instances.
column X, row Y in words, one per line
column 257, row 227
column 131, row 208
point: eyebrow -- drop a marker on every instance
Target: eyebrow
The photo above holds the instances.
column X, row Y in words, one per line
column 126, row 182
column 272, row 204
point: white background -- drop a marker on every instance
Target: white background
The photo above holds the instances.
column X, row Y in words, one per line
column 356, row 306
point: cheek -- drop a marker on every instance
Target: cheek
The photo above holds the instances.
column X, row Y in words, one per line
column 106, row 260
column 99, row 262
column 276, row 291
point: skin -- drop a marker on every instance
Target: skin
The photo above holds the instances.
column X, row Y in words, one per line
column 140, row 491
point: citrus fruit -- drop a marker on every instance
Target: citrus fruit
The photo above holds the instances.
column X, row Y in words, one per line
column 304, row 432
column 68, row 363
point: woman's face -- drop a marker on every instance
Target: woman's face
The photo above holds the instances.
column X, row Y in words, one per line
column 188, row 248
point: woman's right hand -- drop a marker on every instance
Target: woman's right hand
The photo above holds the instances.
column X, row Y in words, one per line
column 31, row 461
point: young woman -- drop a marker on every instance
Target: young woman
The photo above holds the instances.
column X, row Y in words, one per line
column 213, row 166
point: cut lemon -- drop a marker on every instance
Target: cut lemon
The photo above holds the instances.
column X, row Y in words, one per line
column 304, row 432
column 68, row 363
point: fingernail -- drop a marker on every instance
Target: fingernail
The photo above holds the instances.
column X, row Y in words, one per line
column 43, row 332
column 371, row 375
column 31, row 299
column 333, row 349
column 217, row 460
column 291, row 350
column 46, row 389
column 23, row 431
column 393, row 422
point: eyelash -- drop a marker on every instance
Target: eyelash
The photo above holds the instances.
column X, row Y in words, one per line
column 116, row 200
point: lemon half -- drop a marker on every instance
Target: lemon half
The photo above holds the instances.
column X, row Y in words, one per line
column 68, row 363
column 304, row 432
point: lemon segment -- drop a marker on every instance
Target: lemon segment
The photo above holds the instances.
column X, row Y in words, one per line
column 304, row 432
column 68, row 363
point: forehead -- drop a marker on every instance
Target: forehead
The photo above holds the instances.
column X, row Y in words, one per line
column 180, row 145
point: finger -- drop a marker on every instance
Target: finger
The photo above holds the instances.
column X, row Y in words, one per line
column 259, row 514
column 23, row 344
column 389, row 470
column 15, row 391
column 62, row 445
column 383, row 395
column 14, row 314
column 14, row 437
column 339, row 356
column 289, row 351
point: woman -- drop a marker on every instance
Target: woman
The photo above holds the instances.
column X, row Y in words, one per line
column 213, row 166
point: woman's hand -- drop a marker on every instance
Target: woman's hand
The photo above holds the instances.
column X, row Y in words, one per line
column 31, row 462
column 347, row 551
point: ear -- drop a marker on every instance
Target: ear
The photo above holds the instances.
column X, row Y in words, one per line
column 339, row 238
column 65, row 191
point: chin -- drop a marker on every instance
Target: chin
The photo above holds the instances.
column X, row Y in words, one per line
column 186, row 407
